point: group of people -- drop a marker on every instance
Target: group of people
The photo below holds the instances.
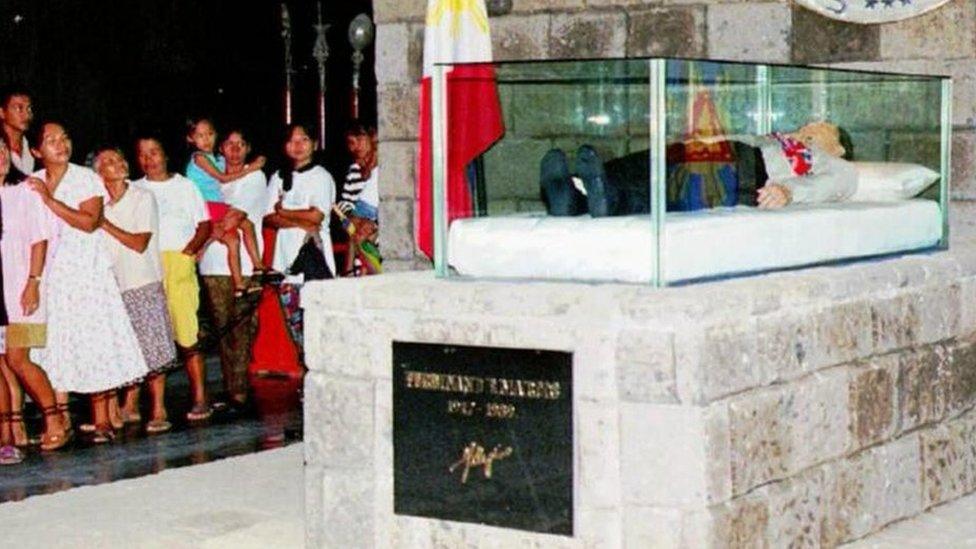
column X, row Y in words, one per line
column 100, row 285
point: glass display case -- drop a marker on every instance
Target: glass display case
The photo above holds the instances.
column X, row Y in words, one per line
column 666, row 171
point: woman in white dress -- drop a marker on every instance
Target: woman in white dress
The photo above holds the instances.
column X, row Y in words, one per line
column 91, row 345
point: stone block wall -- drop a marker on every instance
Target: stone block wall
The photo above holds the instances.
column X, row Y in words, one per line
column 805, row 408
column 941, row 42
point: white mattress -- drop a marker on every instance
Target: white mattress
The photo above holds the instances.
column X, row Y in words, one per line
column 696, row 244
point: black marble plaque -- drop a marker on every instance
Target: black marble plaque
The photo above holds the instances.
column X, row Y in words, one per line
column 484, row 435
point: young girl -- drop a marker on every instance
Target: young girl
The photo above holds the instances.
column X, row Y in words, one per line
column 300, row 197
column 206, row 170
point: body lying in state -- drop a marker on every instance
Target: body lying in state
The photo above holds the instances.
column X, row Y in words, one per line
column 767, row 171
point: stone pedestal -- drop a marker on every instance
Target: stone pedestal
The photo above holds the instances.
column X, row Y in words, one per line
column 802, row 408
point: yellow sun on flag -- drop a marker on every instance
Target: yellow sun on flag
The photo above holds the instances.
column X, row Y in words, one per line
column 456, row 8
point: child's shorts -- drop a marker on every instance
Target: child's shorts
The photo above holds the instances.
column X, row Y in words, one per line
column 217, row 210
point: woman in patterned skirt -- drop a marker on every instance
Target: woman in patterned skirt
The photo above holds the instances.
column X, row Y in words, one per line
column 132, row 223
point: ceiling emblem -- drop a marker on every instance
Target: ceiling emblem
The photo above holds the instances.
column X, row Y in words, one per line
column 871, row 11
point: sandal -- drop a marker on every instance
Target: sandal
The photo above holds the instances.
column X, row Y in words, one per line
column 49, row 442
column 65, row 416
column 128, row 418
column 25, row 440
column 157, row 426
column 268, row 276
column 10, row 455
column 244, row 291
column 103, row 435
column 199, row 412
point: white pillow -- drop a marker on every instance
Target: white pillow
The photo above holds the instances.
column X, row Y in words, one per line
column 890, row 181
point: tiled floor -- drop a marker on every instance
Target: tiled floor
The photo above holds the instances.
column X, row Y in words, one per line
column 135, row 454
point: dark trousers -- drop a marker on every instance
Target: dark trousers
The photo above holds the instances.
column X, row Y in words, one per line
column 235, row 341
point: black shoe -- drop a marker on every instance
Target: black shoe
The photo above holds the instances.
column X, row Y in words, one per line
column 602, row 197
column 558, row 192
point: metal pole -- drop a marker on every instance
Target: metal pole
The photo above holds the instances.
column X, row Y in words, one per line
column 321, row 54
column 286, row 38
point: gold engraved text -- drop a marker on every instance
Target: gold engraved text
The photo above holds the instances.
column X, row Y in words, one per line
column 474, row 385
column 523, row 388
column 500, row 410
column 473, row 456
column 460, row 407
column 447, row 383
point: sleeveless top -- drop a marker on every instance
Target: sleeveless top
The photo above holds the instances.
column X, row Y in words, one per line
column 209, row 187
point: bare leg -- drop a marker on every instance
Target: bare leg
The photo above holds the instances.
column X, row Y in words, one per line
column 100, row 417
column 130, row 406
column 35, row 381
column 62, row 403
column 114, row 413
column 233, row 243
column 251, row 243
column 6, row 434
column 196, row 371
column 17, row 428
column 157, row 396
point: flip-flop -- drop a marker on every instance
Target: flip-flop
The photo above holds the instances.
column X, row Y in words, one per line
column 10, row 455
column 157, row 426
column 199, row 413
column 103, row 435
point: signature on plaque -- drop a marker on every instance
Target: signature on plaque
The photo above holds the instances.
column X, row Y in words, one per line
column 473, row 456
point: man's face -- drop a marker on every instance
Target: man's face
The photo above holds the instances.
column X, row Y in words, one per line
column 151, row 158
column 17, row 113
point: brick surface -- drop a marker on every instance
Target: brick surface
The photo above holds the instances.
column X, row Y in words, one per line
column 602, row 34
column 818, row 39
column 674, row 32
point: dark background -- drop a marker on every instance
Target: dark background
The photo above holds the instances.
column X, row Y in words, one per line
column 110, row 69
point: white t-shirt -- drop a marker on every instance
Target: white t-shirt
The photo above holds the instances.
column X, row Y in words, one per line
column 25, row 160
column 135, row 212
column 181, row 208
column 250, row 195
column 311, row 188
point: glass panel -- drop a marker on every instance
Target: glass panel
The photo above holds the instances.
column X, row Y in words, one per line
column 567, row 192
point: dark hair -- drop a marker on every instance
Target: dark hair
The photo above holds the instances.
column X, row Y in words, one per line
column 357, row 128
column 191, row 123
column 90, row 160
column 287, row 171
column 9, row 91
column 36, row 132
column 235, row 129
column 845, row 141
column 148, row 136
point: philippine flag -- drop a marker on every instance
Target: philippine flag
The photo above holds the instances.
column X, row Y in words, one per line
column 456, row 32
